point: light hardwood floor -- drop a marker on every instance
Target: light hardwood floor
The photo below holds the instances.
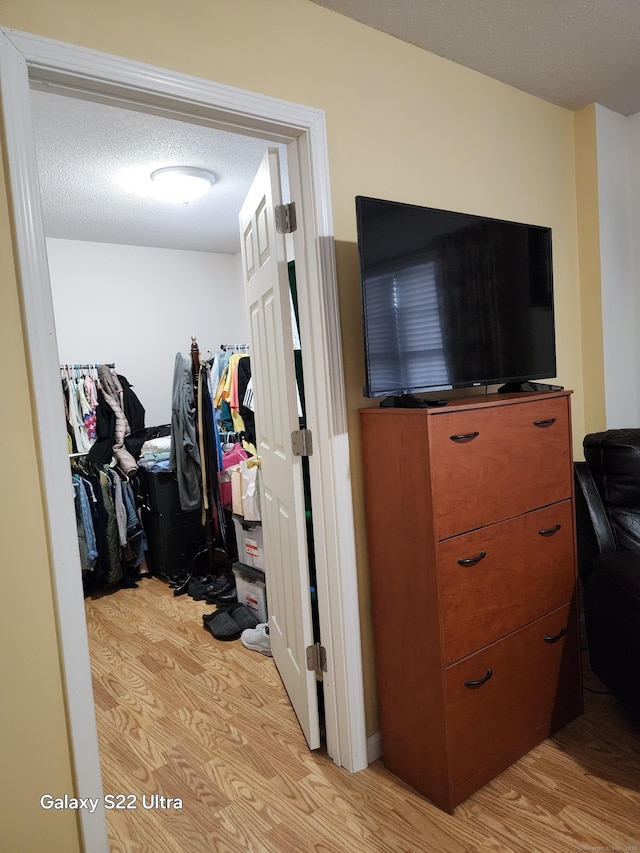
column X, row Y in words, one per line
column 183, row 715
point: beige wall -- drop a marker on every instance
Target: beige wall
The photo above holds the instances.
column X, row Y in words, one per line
column 34, row 748
column 590, row 271
column 402, row 124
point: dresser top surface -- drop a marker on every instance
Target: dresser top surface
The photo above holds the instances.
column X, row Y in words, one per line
column 471, row 402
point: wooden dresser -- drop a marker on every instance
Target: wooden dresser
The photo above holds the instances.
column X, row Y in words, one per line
column 473, row 573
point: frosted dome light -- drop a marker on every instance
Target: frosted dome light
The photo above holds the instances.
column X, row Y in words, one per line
column 182, row 184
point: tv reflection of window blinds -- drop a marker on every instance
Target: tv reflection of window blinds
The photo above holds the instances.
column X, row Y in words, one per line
column 479, row 303
column 405, row 349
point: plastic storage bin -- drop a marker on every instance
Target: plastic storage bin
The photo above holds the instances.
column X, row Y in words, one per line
column 249, row 541
column 251, row 590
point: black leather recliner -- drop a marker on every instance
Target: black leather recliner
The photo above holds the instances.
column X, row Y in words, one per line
column 608, row 533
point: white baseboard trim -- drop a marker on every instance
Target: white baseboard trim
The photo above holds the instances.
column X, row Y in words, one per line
column 374, row 747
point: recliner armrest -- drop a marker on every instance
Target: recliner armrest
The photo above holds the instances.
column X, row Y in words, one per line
column 594, row 533
column 622, row 568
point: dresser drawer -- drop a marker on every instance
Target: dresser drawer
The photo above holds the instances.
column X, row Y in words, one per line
column 492, row 463
column 532, row 680
column 494, row 580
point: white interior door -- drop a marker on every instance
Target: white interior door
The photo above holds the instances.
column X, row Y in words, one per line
column 264, row 265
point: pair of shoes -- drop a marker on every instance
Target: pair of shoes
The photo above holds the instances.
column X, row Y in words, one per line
column 221, row 592
column 180, row 578
column 177, row 579
column 208, row 588
column 228, row 624
column 257, row 639
column 226, row 599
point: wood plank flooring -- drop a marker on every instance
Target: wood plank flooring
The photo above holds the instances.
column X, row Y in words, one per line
column 181, row 714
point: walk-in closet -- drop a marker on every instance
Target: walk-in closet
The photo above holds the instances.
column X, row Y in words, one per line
column 156, row 387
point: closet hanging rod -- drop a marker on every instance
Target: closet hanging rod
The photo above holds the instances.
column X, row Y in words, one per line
column 86, row 366
column 237, row 347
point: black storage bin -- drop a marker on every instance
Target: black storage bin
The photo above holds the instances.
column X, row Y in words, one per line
column 169, row 530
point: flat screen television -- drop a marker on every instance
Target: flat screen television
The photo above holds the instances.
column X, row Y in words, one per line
column 452, row 300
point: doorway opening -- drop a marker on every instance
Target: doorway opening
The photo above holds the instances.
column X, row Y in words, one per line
column 147, row 285
column 27, row 60
column 163, row 302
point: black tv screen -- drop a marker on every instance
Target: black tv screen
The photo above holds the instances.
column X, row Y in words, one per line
column 452, row 300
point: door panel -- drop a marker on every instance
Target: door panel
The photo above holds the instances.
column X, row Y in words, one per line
column 275, row 395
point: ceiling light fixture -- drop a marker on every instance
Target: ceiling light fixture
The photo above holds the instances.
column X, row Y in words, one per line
column 182, row 184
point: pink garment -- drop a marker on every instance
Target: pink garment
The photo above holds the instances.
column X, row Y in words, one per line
column 232, row 457
column 235, row 456
column 90, row 391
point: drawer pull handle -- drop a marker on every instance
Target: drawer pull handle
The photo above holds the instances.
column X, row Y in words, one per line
column 555, row 637
column 470, row 561
column 548, row 422
column 549, row 531
column 465, row 436
column 480, row 681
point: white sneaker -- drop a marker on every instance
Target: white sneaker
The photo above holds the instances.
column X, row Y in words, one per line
column 257, row 639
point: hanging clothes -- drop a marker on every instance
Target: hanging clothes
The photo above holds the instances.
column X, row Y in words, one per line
column 83, row 513
column 100, row 409
column 111, row 537
column 246, row 412
column 135, row 415
column 113, row 394
column 184, row 456
column 71, row 438
column 212, row 455
column 75, row 417
column 230, row 397
column 229, row 390
column 101, row 452
column 114, row 572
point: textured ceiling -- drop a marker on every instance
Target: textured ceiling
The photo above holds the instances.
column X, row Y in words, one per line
column 568, row 52
column 84, row 149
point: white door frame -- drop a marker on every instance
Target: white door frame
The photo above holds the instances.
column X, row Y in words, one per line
column 25, row 60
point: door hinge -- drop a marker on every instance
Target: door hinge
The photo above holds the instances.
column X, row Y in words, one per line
column 302, row 442
column 317, row 660
column 286, row 218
